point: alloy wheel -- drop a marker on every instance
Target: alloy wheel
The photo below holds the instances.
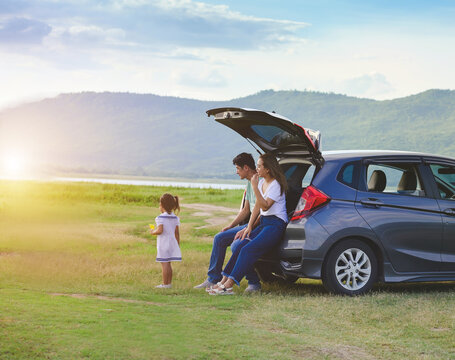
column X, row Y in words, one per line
column 353, row 269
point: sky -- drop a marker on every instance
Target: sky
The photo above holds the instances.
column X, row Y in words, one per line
column 220, row 50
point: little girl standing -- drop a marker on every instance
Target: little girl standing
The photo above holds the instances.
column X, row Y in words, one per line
column 168, row 241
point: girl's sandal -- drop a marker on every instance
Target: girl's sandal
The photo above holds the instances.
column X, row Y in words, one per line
column 222, row 290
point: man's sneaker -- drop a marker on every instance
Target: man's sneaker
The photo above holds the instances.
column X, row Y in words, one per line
column 206, row 284
column 251, row 288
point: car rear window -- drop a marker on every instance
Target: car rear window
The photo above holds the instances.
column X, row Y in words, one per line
column 275, row 135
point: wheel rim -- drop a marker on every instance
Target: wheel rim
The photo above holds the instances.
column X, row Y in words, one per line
column 353, row 269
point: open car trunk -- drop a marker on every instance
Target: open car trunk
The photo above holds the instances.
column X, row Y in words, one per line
column 271, row 132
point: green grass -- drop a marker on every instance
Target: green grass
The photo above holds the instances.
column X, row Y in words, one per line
column 77, row 277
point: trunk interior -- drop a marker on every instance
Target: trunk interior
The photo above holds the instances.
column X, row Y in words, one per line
column 298, row 174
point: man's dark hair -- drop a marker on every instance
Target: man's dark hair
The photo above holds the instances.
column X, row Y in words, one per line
column 244, row 159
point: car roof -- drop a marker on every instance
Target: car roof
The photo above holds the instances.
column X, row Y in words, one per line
column 357, row 154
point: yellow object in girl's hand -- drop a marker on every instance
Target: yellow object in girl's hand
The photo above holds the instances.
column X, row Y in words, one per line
column 152, row 226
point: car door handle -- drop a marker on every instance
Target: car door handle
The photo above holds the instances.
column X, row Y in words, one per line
column 450, row 212
column 371, row 202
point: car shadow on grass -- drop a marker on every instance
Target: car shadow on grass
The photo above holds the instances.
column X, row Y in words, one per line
column 416, row 287
column 303, row 287
column 308, row 287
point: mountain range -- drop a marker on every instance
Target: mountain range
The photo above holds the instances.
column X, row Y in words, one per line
column 145, row 134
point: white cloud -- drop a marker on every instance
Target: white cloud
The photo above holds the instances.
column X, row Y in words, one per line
column 204, row 80
column 373, row 85
column 218, row 12
column 161, row 23
column 93, row 35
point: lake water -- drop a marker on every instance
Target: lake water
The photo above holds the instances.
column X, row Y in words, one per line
column 186, row 184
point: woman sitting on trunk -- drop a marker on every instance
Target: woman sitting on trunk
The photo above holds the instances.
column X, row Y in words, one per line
column 270, row 204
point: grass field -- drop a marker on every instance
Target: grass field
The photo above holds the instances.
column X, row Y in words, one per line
column 77, row 277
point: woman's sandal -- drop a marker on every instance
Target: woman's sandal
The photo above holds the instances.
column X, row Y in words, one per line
column 218, row 284
column 222, row 290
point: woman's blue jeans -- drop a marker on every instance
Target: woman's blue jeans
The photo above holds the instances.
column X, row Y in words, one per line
column 220, row 243
column 263, row 238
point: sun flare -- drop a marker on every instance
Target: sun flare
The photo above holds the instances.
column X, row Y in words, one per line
column 13, row 165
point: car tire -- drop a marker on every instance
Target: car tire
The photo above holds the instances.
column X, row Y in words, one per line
column 351, row 268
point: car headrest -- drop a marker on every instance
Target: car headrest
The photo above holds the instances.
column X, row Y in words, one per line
column 377, row 181
column 408, row 181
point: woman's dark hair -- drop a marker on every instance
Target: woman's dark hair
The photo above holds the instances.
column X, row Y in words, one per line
column 270, row 163
column 244, row 159
column 170, row 203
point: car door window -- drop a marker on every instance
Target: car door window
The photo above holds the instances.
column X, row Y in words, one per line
column 394, row 178
column 444, row 176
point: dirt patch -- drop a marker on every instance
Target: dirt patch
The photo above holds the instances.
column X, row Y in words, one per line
column 210, row 208
column 217, row 221
column 440, row 329
column 7, row 321
column 201, row 213
column 8, row 254
column 207, row 211
column 107, row 298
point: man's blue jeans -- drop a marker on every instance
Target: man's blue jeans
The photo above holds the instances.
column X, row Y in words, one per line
column 263, row 238
column 220, row 243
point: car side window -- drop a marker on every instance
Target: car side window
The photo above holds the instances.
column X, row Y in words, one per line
column 348, row 174
column 394, row 178
column 444, row 175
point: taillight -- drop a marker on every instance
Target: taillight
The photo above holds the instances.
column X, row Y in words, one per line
column 310, row 200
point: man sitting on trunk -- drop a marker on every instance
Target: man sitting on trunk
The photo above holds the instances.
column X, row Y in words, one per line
column 245, row 168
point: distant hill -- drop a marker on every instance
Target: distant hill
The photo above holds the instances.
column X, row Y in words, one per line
column 124, row 133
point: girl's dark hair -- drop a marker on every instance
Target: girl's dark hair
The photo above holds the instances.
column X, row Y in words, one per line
column 244, row 159
column 270, row 163
column 170, row 203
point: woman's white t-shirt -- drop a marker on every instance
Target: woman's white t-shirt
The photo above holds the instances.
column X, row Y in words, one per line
column 167, row 246
column 273, row 192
